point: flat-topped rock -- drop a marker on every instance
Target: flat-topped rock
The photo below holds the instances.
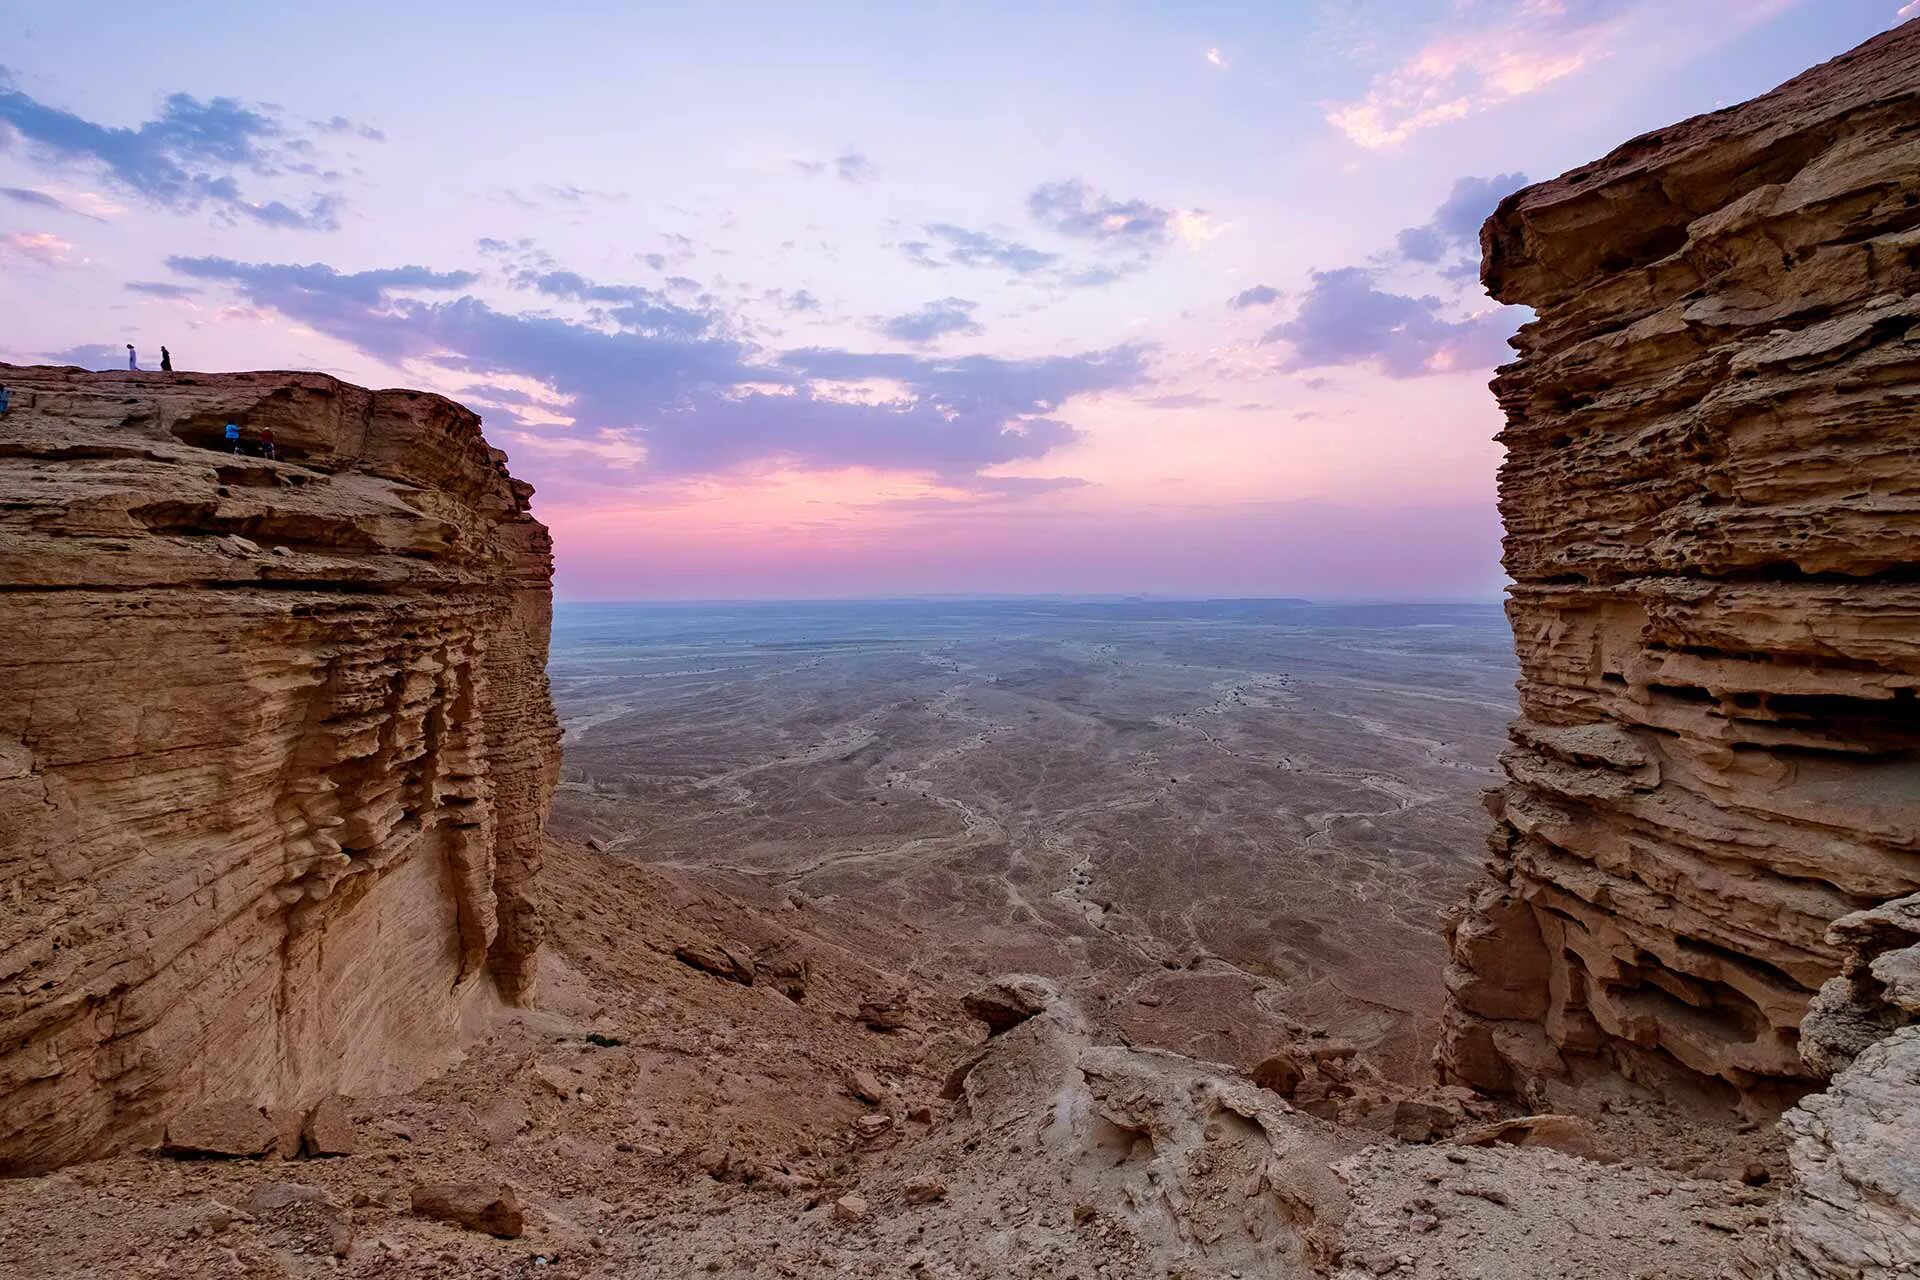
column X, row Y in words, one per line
column 276, row 748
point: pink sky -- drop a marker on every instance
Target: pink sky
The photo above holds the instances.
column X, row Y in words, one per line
column 821, row 301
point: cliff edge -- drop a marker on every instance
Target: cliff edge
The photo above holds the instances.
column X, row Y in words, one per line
column 275, row 752
column 1713, row 519
column 1705, row 855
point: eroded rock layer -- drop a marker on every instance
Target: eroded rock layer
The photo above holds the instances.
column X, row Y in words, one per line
column 1712, row 502
column 275, row 746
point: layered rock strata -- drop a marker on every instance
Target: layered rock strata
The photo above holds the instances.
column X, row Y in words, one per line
column 275, row 746
column 1712, row 502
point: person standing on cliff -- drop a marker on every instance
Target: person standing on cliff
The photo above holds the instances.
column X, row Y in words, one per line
column 233, row 436
column 6, row 401
column 166, row 360
column 266, row 443
column 133, row 363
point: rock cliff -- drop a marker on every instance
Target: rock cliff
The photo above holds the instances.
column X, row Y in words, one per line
column 1712, row 504
column 275, row 747
column 1705, row 854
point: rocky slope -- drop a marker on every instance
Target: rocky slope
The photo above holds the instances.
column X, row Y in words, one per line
column 654, row 1117
column 1710, row 498
column 275, row 752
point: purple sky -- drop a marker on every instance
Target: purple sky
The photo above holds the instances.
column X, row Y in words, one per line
column 821, row 300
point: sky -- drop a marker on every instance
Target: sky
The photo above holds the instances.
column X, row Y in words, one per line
column 822, row 300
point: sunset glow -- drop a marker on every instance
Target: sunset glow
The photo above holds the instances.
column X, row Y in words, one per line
column 1164, row 300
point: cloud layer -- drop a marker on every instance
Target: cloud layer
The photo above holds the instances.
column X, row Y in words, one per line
column 186, row 158
column 645, row 377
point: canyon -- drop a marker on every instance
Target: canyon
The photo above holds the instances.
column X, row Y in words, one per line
column 298, row 979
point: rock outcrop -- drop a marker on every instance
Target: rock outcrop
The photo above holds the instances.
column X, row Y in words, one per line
column 1712, row 502
column 1853, row 1209
column 275, row 747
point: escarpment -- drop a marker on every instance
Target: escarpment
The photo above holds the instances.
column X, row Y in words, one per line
column 275, row 746
column 1712, row 501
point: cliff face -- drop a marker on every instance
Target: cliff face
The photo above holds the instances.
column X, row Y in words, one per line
column 1712, row 501
column 275, row 746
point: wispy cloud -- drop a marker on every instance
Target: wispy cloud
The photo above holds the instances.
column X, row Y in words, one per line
column 35, row 199
column 186, row 158
column 848, row 166
column 938, row 319
column 1260, row 295
column 1523, row 47
column 1072, row 208
column 162, row 289
column 953, row 246
column 340, row 124
column 42, row 247
column 962, row 247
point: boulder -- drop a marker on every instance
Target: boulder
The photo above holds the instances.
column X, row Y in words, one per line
column 222, row 1130
column 891, row 1014
column 924, row 1191
column 1009, row 1000
column 721, row 959
column 866, row 1086
column 1281, row 1072
column 1569, row 1134
column 491, row 1207
column 328, row 1130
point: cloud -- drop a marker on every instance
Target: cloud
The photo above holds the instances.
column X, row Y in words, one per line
column 161, row 289
column 1455, row 225
column 340, row 124
column 42, row 247
column 91, row 355
column 1346, row 319
column 686, row 394
column 632, row 307
column 184, row 159
column 965, row 248
column 36, row 199
column 551, row 197
column 1072, row 208
column 793, row 301
column 1186, row 400
column 933, row 321
column 849, row 166
column 1525, row 46
column 1216, row 58
column 1260, row 295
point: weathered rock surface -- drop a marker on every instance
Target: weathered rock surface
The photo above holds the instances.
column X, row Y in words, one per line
column 490, row 1207
column 1010, row 1000
column 1854, row 1208
column 1713, row 518
column 225, row 1129
column 275, row 750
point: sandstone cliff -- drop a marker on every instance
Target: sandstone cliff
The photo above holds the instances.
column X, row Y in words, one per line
column 1713, row 522
column 275, row 746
